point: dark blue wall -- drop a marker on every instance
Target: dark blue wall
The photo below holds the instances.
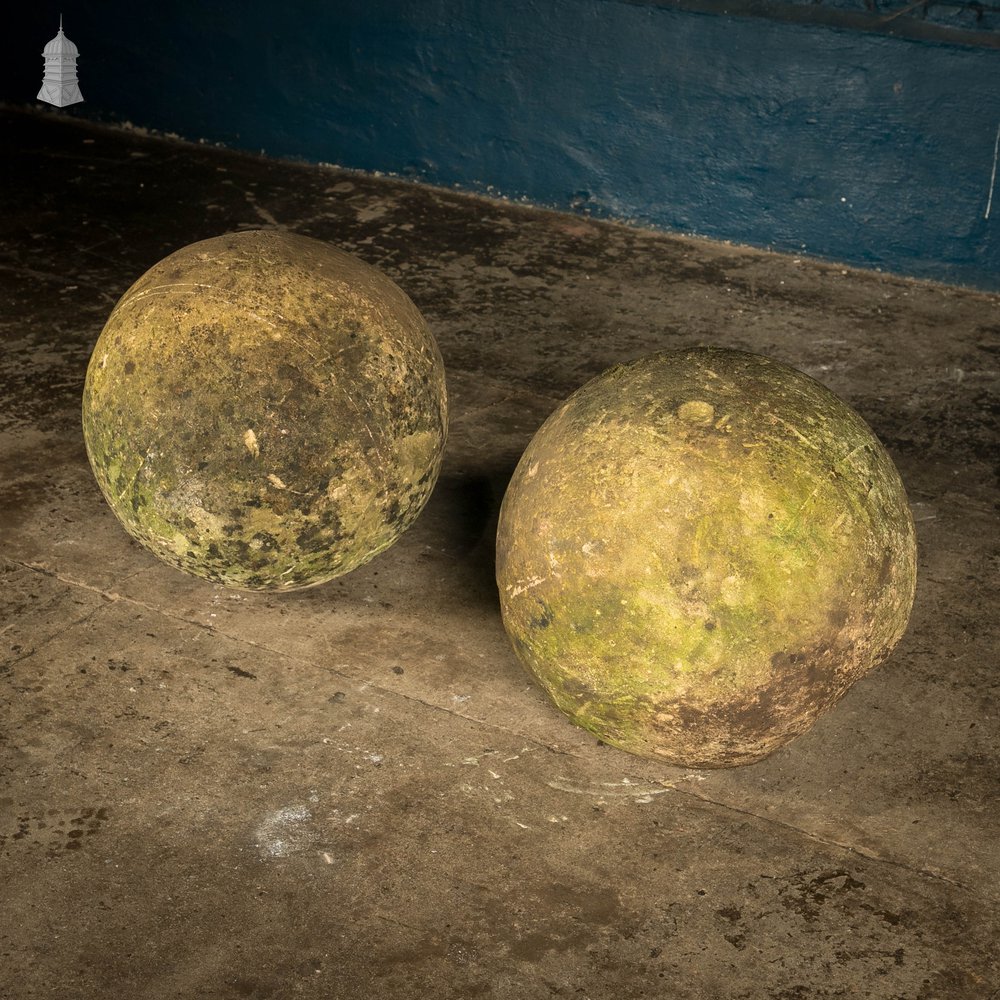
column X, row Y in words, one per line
column 845, row 143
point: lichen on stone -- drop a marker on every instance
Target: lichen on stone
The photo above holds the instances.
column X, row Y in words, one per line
column 699, row 552
column 265, row 411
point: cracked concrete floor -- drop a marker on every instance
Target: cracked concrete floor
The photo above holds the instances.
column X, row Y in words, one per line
column 355, row 791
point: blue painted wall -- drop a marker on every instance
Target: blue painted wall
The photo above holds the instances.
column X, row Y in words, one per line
column 840, row 142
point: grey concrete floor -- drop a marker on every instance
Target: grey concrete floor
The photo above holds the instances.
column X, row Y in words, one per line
column 356, row 791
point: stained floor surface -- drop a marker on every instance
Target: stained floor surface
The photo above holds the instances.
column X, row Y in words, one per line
column 356, row 791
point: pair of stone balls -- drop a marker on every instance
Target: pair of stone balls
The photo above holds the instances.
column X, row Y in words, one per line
column 698, row 553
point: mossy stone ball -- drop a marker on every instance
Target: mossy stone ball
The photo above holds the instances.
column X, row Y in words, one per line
column 265, row 411
column 700, row 552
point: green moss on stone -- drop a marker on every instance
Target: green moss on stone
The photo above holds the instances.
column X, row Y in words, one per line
column 265, row 411
column 721, row 546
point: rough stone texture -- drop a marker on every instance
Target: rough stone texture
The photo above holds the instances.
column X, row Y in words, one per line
column 354, row 791
column 700, row 552
column 265, row 411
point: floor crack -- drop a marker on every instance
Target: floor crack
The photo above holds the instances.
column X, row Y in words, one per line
column 827, row 842
column 677, row 786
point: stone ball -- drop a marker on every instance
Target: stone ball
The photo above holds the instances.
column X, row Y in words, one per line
column 700, row 552
column 265, row 411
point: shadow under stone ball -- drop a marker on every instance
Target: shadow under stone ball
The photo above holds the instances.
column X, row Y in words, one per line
column 700, row 552
column 265, row 411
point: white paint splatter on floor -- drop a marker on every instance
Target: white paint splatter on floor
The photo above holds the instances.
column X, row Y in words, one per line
column 283, row 832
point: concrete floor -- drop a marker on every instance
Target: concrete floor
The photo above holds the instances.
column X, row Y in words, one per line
column 355, row 791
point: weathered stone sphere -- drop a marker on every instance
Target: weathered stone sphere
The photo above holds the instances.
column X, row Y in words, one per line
column 700, row 552
column 265, row 411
